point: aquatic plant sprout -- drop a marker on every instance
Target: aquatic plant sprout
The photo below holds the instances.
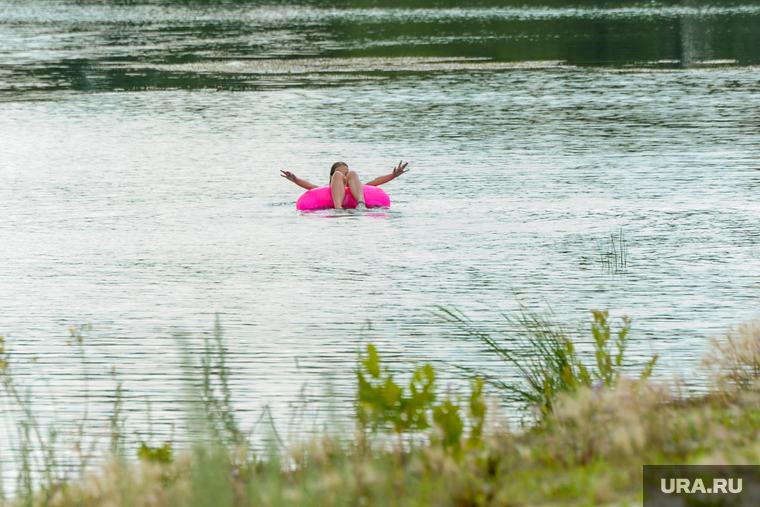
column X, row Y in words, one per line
column 613, row 255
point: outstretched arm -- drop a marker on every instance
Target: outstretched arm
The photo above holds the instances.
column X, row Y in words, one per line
column 397, row 171
column 298, row 181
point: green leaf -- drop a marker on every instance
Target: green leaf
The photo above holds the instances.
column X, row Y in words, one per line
column 372, row 363
column 161, row 454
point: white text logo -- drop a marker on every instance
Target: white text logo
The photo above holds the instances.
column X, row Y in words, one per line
column 685, row 486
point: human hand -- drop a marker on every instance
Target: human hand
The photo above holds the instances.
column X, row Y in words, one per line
column 289, row 175
column 401, row 169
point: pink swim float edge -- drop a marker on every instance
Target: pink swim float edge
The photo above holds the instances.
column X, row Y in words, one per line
column 321, row 198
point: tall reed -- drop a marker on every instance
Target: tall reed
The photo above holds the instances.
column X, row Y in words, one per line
column 35, row 451
column 211, row 410
column 546, row 358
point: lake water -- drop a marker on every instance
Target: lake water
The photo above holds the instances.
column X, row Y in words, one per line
column 140, row 188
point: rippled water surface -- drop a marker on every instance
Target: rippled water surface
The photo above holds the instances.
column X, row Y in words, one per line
column 141, row 195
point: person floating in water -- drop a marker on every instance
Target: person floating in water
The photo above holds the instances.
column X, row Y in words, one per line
column 341, row 177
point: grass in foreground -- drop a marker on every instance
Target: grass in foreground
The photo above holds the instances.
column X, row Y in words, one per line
column 415, row 447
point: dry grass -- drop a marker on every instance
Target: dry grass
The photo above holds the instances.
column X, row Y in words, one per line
column 735, row 360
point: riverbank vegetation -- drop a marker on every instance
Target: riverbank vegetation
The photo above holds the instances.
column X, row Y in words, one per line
column 591, row 421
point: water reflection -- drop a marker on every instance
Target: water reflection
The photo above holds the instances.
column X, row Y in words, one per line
column 698, row 38
column 54, row 46
column 348, row 213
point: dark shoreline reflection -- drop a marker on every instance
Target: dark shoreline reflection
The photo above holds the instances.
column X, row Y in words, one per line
column 52, row 46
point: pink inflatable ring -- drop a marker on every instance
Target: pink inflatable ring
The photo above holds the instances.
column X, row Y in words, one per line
column 321, row 198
